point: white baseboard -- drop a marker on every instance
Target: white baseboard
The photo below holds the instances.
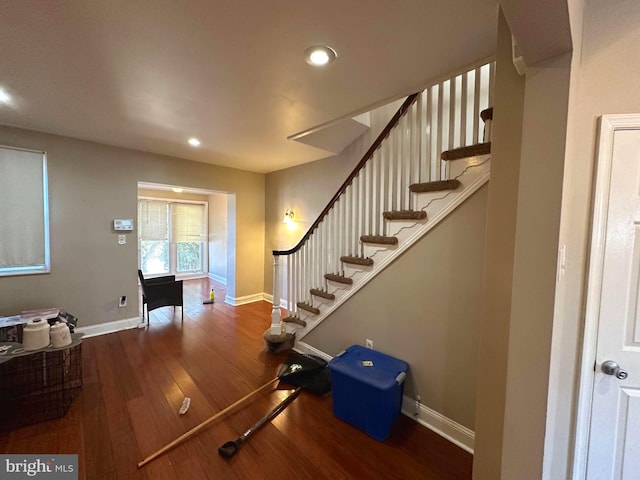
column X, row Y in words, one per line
column 443, row 426
column 218, row 278
column 235, row 301
column 110, row 327
column 302, row 347
column 269, row 298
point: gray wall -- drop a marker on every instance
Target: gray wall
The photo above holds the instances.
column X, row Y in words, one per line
column 499, row 255
column 605, row 75
column 518, row 304
column 90, row 185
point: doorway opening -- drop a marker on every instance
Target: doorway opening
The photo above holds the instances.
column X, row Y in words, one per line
column 185, row 233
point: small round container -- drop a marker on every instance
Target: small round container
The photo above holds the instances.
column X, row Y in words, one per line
column 60, row 335
column 35, row 335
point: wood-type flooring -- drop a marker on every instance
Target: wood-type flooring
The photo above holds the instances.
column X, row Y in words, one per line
column 135, row 382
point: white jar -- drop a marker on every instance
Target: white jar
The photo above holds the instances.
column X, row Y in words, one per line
column 35, row 335
column 60, row 335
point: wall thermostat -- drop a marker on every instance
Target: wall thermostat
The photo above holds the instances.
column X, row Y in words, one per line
column 123, row 225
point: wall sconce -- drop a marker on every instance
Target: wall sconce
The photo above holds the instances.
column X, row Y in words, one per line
column 288, row 219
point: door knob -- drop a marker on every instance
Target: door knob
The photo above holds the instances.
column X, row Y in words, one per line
column 612, row 368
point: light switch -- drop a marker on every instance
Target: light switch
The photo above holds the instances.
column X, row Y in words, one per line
column 122, row 239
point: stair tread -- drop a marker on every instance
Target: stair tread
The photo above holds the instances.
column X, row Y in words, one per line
column 380, row 239
column 487, row 114
column 405, row 215
column 367, row 262
column 322, row 293
column 338, row 278
column 466, row 152
column 308, row 308
column 437, row 186
column 296, row 320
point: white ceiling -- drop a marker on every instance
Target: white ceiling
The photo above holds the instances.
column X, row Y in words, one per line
column 149, row 74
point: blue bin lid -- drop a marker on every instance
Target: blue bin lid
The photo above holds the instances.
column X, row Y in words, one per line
column 370, row 366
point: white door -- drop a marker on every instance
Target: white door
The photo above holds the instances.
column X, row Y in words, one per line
column 614, row 435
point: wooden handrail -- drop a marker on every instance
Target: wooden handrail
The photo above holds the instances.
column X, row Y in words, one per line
column 392, row 123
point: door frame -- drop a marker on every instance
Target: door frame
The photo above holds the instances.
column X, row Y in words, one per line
column 608, row 126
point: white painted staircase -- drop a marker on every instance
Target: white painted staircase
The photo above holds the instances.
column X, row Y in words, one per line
column 433, row 154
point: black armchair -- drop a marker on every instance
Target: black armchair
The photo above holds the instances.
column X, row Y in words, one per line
column 161, row 292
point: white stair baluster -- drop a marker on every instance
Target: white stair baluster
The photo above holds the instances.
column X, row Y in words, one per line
column 323, row 256
column 294, row 282
column 476, row 107
column 452, row 113
column 421, row 131
column 463, row 110
column 289, row 286
column 384, row 183
column 368, row 172
column 439, row 127
column 355, row 206
column 376, row 210
column 340, row 239
column 276, row 327
column 428, row 135
column 492, row 78
column 470, row 92
column 335, row 239
column 397, row 160
column 361, row 214
column 404, row 162
column 414, row 123
column 313, row 283
column 390, row 171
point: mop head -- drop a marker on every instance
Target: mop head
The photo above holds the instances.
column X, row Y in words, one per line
column 278, row 343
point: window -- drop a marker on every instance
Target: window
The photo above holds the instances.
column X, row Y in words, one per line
column 172, row 237
column 24, row 212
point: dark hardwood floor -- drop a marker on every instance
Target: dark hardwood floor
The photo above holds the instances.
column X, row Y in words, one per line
column 135, row 382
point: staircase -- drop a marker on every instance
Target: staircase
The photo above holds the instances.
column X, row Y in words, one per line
column 433, row 154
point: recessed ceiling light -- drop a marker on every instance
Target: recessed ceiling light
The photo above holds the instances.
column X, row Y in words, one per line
column 320, row 55
column 4, row 96
column 177, row 189
column 194, row 142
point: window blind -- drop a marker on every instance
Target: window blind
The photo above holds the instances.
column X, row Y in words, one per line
column 153, row 220
column 187, row 222
column 24, row 231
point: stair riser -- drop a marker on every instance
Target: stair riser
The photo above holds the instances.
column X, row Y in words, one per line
column 456, row 168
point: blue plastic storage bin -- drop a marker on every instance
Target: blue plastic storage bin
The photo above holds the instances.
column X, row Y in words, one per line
column 367, row 388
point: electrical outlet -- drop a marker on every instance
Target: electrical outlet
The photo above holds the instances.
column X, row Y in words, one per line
column 368, row 343
column 122, row 301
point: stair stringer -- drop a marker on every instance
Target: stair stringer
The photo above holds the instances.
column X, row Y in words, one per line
column 438, row 206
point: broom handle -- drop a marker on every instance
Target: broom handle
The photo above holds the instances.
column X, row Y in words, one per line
column 200, row 426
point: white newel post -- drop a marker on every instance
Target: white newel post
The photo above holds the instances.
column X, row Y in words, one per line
column 276, row 322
